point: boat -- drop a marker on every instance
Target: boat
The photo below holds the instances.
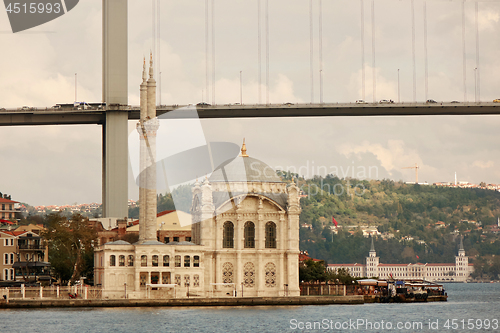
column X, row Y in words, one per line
column 401, row 291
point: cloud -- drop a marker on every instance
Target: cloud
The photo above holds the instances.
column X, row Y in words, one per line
column 483, row 164
column 393, row 156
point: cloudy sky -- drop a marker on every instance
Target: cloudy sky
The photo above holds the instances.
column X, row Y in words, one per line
column 62, row 165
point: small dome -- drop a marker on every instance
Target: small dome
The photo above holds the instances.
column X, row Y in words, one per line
column 244, row 169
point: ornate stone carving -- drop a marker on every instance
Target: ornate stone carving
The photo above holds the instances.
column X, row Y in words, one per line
column 270, row 271
column 249, row 275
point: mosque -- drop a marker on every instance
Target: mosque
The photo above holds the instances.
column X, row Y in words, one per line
column 245, row 232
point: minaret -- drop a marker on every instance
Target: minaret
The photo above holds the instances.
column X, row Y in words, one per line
column 148, row 126
column 143, row 152
column 455, row 178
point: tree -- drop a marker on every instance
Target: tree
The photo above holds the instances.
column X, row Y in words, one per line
column 70, row 244
column 313, row 271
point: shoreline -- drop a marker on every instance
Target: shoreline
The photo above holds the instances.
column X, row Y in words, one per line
column 181, row 302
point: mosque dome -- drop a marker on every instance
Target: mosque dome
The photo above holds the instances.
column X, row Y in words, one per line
column 244, row 169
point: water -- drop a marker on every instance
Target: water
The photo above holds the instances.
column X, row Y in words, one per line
column 479, row 302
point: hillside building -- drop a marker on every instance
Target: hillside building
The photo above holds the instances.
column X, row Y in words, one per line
column 459, row 271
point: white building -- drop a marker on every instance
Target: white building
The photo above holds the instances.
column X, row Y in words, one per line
column 459, row 271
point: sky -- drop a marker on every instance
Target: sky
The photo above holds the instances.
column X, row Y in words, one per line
column 62, row 164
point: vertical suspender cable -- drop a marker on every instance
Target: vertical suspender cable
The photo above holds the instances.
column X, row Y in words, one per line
column 153, row 30
column 413, row 51
column 362, row 49
column 267, row 51
column 311, row 46
column 320, row 52
column 159, row 47
column 373, row 54
column 213, row 51
column 259, row 49
column 425, row 54
column 463, row 51
column 477, row 54
column 207, row 70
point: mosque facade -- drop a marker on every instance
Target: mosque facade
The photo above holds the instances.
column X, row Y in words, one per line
column 245, row 232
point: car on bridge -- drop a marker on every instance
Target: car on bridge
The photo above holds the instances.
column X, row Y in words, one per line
column 385, row 101
column 430, row 101
column 202, row 104
column 496, row 100
column 360, row 101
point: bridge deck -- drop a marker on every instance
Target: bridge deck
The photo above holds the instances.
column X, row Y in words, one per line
column 49, row 116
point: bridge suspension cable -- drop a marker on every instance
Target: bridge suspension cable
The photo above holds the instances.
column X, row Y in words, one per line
column 213, row 51
column 425, row 53
column 373, row 54
column 362, row 6
column 478, row 84
column 207, row 66
column 259, row 49
column 267, row 51
column 320, row 52
column 413, row 50
column 463, row 52
column 311, row 49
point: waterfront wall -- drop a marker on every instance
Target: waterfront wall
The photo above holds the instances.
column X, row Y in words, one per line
column 227, row 301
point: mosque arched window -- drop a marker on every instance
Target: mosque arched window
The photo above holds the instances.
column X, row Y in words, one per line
column 121, row 260
column 249, row 235
column 144, row 261
column 187, row 261
column 166, row 261
column 196, row 261
column 130, row 260
column 112, row 260
column 177, row 261
column 228, row 235
column 270, row 235
column 154, row 261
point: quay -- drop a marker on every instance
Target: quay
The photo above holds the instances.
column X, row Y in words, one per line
column 181, row 302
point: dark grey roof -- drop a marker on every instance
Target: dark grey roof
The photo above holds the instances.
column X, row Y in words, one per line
column 118, row 242
column 220, row 197
column 244, row 169
column 149, row 242
column 181, row 243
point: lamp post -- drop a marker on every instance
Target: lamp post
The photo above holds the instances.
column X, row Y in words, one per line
column 475, row 84
column 399, row 95
column 188, row 289
column 125, row 284
column 242, row 288
column 241, row 88
column 76, row 87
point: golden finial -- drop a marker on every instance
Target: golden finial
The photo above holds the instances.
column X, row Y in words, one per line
column 244, row 149
column 151, row 58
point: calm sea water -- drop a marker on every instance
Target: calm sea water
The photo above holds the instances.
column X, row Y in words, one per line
column 473, row 307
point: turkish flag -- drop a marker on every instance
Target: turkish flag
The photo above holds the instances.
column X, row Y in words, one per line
column 334, row 222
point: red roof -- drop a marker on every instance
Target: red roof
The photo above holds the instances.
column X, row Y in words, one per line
column 344, row 265
column 14, row 233
column 6, row 221
column 303, row 257
column 2, row 200
column 165, row 212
